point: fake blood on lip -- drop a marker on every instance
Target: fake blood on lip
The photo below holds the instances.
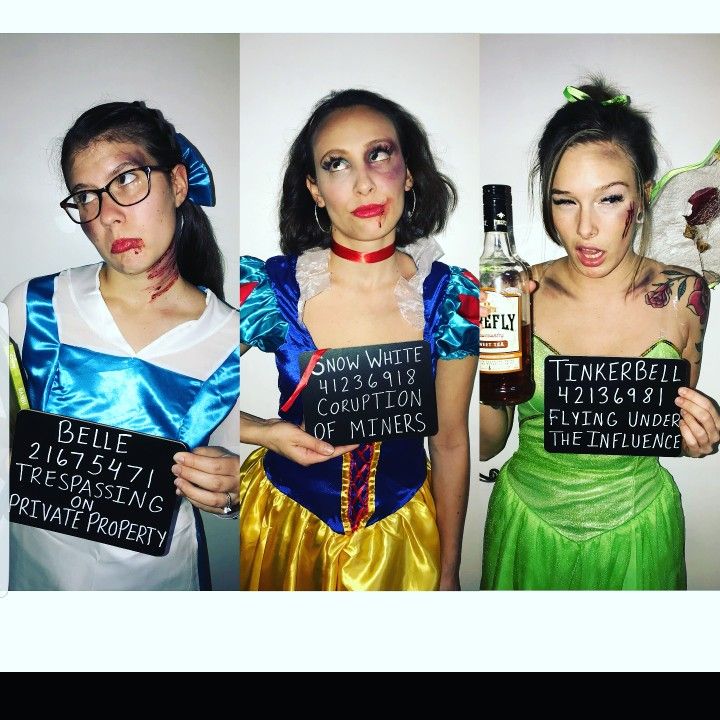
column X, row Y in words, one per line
column 122, row 245
column 369, row 211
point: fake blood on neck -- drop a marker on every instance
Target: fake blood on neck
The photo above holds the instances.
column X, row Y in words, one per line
column 163, row 274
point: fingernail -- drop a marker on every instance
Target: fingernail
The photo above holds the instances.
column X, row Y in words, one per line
column 328, row 449
column 175, row 470
column 178, row 458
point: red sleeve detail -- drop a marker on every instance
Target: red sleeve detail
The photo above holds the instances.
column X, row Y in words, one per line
column 471, row 277
column 470, row 308
column 245, row 290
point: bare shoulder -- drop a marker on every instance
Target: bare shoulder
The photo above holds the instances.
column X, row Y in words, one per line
column 550, row 279
column 662, row 273
column 540, row 269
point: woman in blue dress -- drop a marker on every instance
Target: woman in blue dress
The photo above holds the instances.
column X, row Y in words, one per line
column 361, row 196
column 141, row 341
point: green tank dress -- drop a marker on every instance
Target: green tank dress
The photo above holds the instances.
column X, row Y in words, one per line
column 593, row 522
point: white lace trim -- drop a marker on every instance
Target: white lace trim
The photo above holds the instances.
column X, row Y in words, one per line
column 409, row 293
column 313, row 277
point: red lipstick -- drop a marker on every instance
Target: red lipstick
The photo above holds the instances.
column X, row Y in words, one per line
column 590, row 256
column 369, row 211
column 122, row 245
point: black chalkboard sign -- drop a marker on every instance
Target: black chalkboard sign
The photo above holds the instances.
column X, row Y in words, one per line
column 93, row 481
column 613, row 405
column 372, row 392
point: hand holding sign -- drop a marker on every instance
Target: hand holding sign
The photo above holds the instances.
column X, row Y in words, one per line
column 208, row 477
column 699, row 424
column 294, row 443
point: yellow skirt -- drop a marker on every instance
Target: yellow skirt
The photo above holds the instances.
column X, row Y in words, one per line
column 283, row 546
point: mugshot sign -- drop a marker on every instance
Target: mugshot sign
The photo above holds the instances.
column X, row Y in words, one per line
column 613, row 405
column 372, row 392
column 93, row 481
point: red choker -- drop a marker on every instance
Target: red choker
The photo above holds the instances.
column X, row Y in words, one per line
column 362, row 257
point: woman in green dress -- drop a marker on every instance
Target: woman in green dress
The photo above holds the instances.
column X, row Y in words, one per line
column 568, row 521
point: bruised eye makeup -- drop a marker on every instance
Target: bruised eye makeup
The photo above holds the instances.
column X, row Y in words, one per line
column 381, row 151
column 611, row 199
column 377, row 153
column 608, row 200
column 333, row 163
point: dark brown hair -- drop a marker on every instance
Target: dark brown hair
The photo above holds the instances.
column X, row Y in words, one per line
column 435, row 194
column 198, row 256
column 589, row 121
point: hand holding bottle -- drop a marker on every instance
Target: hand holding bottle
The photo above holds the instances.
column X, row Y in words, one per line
column 506, row 372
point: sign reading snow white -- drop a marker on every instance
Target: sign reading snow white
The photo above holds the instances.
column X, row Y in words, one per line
column 93, row 481
column 613, row 405
column 372, row 392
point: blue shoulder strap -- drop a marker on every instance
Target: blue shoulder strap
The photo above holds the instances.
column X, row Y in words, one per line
column 41, row 345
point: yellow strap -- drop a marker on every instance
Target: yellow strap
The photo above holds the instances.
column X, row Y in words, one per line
column 16, row 377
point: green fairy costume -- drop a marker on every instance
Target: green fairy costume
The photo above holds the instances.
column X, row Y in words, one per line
column 572, row 522
column 607, row 522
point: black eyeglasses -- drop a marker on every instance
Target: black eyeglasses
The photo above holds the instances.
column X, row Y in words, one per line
column 130, row 187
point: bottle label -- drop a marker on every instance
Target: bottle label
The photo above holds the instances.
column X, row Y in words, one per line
column 500, row 347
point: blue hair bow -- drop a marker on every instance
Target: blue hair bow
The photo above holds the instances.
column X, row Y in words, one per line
column 201, row 188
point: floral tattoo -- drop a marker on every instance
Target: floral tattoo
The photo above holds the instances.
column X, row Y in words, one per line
column 698, row 299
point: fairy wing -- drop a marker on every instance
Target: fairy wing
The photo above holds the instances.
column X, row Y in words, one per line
column 686, row 217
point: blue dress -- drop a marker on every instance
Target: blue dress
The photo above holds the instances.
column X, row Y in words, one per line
column 182, row 386
column 366, row 519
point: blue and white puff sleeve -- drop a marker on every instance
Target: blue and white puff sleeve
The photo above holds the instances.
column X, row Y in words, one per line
column 261, row 323
column 458, row 332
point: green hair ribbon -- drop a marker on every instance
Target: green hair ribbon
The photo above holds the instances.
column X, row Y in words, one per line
column 572, row 94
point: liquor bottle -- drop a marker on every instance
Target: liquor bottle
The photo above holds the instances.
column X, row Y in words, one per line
column 506, row 371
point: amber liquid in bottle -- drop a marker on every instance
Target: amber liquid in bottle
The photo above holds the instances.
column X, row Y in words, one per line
column 506, row 371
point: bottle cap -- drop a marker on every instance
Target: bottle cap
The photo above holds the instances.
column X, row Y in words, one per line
column 497, row 208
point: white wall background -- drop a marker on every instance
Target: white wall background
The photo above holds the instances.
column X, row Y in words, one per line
column 675, row 78
column 436, row 77
column 46, row 81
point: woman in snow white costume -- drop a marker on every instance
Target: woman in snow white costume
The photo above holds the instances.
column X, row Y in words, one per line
column 141, row 341
column 361, row 195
